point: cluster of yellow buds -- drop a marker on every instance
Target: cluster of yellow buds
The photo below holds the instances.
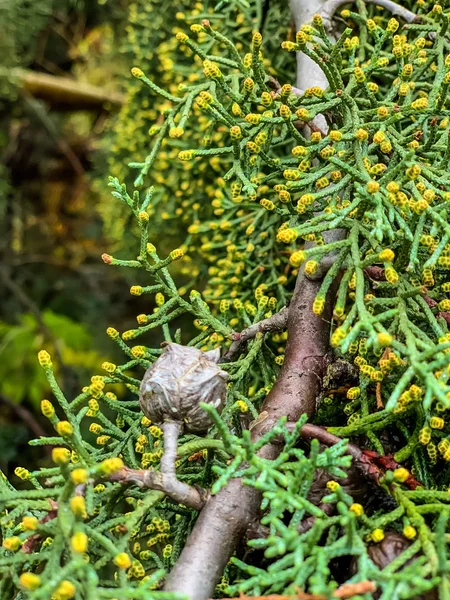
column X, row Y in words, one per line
column 149, row 458
column 136, row 570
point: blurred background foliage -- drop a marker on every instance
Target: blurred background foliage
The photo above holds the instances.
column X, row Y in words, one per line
column 70, row 115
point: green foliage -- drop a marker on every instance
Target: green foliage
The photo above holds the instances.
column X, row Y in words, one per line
column 152, row 45
column 22, row 21
column 20, row 376
column 380, row 175
column 48, row 220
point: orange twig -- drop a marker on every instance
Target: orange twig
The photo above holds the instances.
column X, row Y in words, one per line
column 348, row 590
column 378, row 395
column 353, row 589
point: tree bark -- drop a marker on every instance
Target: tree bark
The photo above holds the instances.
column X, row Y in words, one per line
column 226, row 517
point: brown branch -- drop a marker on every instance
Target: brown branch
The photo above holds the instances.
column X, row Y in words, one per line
column 180, row 492
column 165, row 480
column 347, row 590
column 226, row 516
column 371, row 465
column 276, row 322
column 62, row 92
column 375, row 273
column 47, row 121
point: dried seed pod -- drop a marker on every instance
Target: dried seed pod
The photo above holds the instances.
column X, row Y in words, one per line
column 175, row 385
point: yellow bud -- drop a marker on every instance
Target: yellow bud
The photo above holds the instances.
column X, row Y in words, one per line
column 392, row 25
column 12, row 543
column 362, row 135
column 136, row 290
column 182, row 37
column 78, row 507
column 30, row 523
column 29, row 581
column 333, row 486
column 357, row 509
column 391, row 275
column 437, row 423
column 136, row 72
column 64, row 428
column 79, row 542
column 65, row 591
column 60, row 456
column 22, row 473
column 79, row 476
column 401, row 474
column 176, row 132
column 409, row 532
column 111, row 465
column 138, row 351
column 384, row 339
column 377, row 535
column 177, row 253
column 387, row 255
column 373, row 187
column 122, row 560
column 297, row 258
column 44, row 359
column 47, row 409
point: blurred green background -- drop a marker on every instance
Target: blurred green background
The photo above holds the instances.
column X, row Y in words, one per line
column 70, row 115
column 64, row 70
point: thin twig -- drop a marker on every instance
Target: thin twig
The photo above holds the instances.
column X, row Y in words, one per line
column 378, row 396
column 276, row 322
column 366, row 467
column 180, row 492
column 165, row 480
